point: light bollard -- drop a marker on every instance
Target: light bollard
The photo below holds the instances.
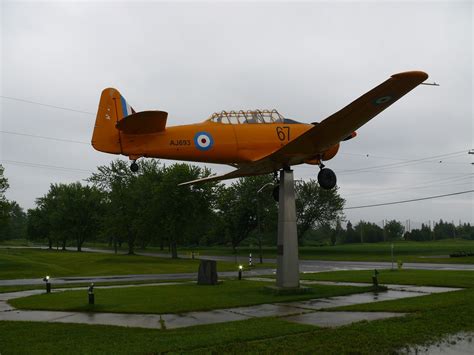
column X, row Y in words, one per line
column 91, row 294
column 375, row 280
column 240, row 272
column 48, row 284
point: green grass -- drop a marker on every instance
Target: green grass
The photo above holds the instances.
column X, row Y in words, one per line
column 16, row 242
column 57, row 338
column 267, row 335
column 377, row 337
column 34, row 263
column 17, row 288
column 174, row 298
column 432, row 317
column 450, row 278
column 407, row 251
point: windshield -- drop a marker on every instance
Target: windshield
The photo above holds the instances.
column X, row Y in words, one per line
column 238, row 117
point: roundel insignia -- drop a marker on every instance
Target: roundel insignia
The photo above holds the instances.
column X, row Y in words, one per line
column 382, row 100
column 203, row 141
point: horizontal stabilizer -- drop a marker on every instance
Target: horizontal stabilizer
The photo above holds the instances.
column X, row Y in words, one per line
column 144, row 122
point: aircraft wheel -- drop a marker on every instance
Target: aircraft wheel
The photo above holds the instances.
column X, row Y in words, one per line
column 134, row 167
column 276, row 193
column 327, row 179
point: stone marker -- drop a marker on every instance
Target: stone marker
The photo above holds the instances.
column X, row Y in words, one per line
column 207, row 274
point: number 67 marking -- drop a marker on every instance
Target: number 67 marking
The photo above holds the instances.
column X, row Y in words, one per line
column 282, row 135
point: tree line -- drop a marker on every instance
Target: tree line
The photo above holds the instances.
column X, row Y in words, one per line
column 119, row 207
column 148, row 208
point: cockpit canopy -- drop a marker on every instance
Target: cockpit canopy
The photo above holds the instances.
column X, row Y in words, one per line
column 256, row 116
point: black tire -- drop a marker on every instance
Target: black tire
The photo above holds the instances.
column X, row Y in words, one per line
column 134, row 167
column 276, row 193
column 327, row 179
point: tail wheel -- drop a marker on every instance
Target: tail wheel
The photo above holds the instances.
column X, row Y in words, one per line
column 134, row 167
column 327, row 179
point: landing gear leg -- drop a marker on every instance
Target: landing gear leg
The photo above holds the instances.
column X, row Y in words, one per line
column 134, row 166
column 326, row 178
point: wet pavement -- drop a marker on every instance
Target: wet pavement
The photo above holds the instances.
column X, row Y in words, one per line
column 307, row 312
column 337, row 319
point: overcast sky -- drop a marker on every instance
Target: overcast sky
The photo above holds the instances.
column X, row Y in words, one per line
column 306, row 59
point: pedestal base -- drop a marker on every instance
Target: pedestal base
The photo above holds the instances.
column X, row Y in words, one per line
column 287, row 249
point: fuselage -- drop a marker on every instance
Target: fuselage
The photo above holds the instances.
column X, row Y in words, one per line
column 214, row 142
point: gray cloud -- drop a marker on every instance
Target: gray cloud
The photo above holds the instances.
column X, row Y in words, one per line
column 308, row 60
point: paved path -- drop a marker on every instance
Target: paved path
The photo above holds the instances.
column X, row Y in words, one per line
column 306, row 312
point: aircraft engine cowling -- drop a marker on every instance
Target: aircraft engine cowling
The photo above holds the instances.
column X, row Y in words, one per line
column 330, row 153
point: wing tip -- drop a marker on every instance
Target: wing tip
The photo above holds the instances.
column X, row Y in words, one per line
column 417, row 75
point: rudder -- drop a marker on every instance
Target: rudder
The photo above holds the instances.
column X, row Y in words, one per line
column 112, row 108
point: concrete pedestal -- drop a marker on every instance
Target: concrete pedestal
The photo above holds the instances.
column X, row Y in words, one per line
column 287, row 247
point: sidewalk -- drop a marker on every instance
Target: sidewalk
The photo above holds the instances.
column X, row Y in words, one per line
column 306, row 312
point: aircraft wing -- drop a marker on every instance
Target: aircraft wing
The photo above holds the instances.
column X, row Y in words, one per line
column 332, row 130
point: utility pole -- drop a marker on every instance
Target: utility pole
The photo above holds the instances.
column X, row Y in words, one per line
column 391, row 247
column 259, row 230
column 384, row 233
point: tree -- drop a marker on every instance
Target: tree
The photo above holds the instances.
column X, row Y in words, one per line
column 350, row 235
column 16, row 226
column 316, row 206
column 123, row 206
column 394, row 230
column 369, row 232
column 4, row 205
column 444, row 230
column 38, row 227
column 71, row 211
column 186, row 211
column 150, row 206
column 237, row 209
column 420, row 235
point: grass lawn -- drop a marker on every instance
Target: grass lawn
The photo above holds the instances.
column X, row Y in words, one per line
column 450, row 278
column 35, row 263
column 420, row 252
column 16, row 288
column 432, row 317
column 174, row 298
column 57, row 338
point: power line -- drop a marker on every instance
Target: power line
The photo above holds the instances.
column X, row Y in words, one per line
column 46, row 105
column 400, row 164
column 44, row 137
column 426, row 184
column 44, row 166
column 412, row 200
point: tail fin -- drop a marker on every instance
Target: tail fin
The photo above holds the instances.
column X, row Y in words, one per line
column 112, row 108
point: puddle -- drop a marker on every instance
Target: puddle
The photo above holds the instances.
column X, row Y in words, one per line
column 457, row 344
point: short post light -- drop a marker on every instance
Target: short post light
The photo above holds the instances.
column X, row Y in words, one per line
column 48, row 284
column 250, row 259
column 91, row 294
column 240, row 272
column 375, row 281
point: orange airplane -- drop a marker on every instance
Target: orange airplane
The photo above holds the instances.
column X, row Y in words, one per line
column 254, row 142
